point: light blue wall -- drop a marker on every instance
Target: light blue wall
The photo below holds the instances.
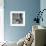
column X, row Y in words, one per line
column 30, row 7
column 43, row 6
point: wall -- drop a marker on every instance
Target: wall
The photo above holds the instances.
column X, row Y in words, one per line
column 43, row 6
column 1, row 21
column 30, row 7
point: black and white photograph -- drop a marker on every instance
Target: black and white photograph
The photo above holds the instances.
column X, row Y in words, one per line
column 17, row 18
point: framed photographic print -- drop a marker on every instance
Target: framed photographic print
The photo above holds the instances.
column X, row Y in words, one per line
column 17, row 18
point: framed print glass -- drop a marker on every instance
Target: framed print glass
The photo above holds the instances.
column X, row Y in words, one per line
column 17, row 18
